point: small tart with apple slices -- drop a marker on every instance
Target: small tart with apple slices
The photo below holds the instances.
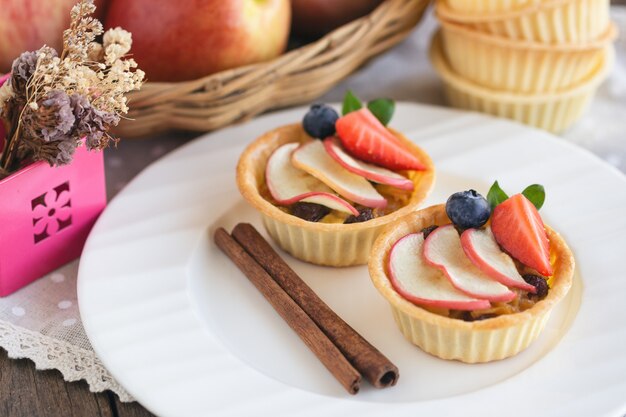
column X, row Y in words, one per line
column 456, row 314
column 319, row 200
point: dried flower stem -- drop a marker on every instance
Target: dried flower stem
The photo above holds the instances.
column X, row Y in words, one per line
column 12, row 140
column 9, row 154
column 10, row 147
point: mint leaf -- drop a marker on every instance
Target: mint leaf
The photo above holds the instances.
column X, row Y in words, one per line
column 383, row 109
column 496, row 195
column 350, row 103
column 536, row 194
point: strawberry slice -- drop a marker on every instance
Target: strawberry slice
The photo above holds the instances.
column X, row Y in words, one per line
column 518, row 228
column 367, row 139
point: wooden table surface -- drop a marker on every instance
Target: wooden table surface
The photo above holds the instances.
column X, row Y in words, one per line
column 26, row 392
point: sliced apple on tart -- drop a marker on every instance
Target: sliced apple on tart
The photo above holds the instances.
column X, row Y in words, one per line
column 288, row 184
column 368, row 171
column 417, row 281
column 442, row 249
column 312, row 158
column 481, row 248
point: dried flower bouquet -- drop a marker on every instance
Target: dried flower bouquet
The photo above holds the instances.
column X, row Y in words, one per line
column 51, row 102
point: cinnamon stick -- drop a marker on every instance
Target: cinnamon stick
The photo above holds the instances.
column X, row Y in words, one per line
column 297, row 319
column 368, row 360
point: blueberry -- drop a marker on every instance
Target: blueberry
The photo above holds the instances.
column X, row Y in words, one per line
column 309, row 211
column 540, row 284
column 468, row 209
column 319, row 121
column 364, row 215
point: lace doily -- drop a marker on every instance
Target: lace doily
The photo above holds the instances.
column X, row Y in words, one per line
column 41, row 322
column 73, row 362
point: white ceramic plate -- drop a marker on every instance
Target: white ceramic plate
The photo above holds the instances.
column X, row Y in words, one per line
column 187, row 335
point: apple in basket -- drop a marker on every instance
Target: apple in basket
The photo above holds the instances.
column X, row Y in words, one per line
column 25, row 25
column 317, row 17
column 176, row 40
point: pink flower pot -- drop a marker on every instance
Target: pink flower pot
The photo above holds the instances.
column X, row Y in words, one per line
column 46, row 214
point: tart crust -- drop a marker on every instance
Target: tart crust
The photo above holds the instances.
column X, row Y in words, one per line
column 472, row 342
column 329, row 244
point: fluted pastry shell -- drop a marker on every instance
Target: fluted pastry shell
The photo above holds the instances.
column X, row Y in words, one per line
column 548, row 21
column 555, row 111
column 519, row 66
column 320, row 243
column 472, row 342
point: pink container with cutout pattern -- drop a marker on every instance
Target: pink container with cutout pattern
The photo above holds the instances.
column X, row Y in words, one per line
column 46, row 214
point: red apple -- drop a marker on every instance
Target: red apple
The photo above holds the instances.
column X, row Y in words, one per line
column 26, row 25
column 317, row 17
column 184, row 40
column 421, row 283
column 443, row 250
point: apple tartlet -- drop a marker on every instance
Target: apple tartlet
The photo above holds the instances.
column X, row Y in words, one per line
column 472, row 292
column 324, row 200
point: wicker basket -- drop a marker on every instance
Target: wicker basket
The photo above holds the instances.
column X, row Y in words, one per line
column 296, row 77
